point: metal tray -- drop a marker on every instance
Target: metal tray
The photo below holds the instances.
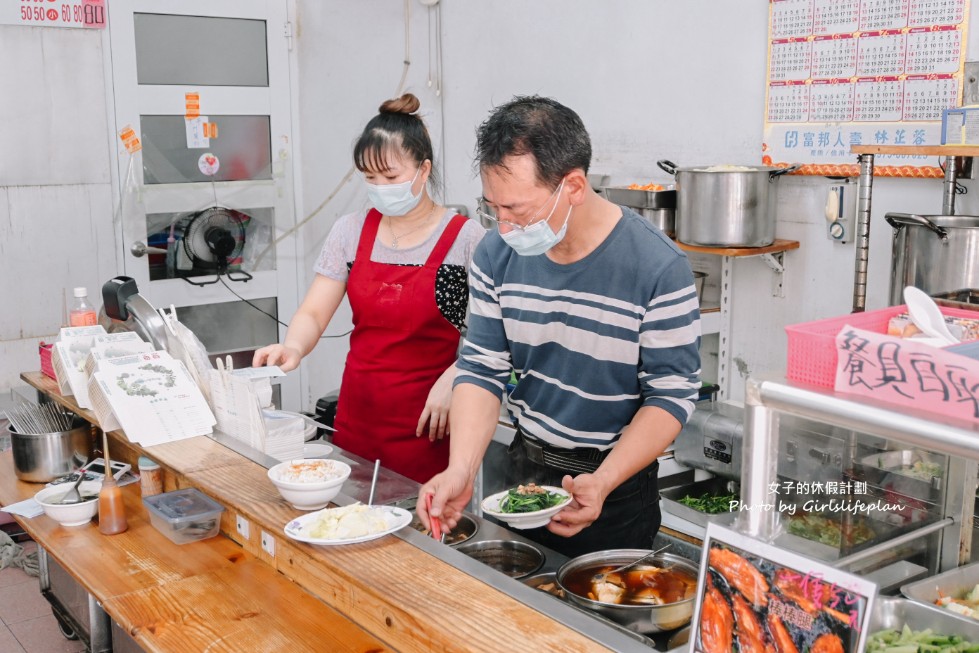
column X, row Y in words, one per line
column 954, row 583
column 642, row 199
column 890, row 612
column 670, row 501
column 886, row 470
column 966, row 298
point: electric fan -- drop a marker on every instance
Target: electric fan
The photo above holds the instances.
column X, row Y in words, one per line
column 213, row 241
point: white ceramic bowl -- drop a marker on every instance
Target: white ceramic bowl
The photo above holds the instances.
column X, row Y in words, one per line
column 72, row 514
column 522, row 520
column 309, row 495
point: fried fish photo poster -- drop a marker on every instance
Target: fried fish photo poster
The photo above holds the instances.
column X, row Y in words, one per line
column 762, row 598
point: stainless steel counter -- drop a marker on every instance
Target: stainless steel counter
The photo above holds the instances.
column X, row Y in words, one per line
column 393, row 488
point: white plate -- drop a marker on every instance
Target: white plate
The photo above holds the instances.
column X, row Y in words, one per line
column 316, row 450
column 396, row 518
column 522, row 520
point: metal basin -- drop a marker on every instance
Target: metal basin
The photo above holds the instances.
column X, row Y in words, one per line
column 43, row 457
column 645, row 619
column 463, row 532
column 515, row 559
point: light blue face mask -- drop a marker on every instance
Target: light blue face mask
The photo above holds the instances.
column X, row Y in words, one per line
column 538, row 237
column 394, row 199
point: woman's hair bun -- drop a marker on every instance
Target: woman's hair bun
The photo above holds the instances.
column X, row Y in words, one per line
column 407, row 104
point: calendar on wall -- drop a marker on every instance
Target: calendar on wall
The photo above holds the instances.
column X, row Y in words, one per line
column 861, row 72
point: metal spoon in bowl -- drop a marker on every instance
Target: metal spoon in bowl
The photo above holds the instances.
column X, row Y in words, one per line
column 600, row 578
column 72, row 495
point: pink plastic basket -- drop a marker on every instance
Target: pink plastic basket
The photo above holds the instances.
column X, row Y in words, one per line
column 812, row 345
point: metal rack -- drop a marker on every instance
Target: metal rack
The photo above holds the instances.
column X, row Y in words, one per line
column 719, row 321
column 768, row 397
column 955, row 156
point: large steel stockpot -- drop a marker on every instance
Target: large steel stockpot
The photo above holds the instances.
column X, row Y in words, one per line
column 43, row 457
column 725, row 206
column 645, row 619
column 936, row 253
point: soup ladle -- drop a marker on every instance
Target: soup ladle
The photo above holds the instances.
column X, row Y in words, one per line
column 600, row 578
column 72, row 495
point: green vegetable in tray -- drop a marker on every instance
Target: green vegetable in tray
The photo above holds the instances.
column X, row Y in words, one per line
column 709, row 503
column 529, row 498
column 918, row 641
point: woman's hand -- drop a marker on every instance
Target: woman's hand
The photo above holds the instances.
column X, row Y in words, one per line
column 436, row 413
column 287, row 358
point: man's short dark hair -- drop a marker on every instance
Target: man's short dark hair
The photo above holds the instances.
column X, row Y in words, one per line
column 544, row 128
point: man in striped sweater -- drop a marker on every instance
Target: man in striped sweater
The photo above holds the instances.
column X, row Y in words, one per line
column 595, row 310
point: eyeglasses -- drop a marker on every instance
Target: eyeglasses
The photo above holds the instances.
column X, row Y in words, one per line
column 483, row 210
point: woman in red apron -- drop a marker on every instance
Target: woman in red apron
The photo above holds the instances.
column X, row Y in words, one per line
column 403, row 267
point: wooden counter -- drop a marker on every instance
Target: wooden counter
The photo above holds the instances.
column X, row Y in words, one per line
column 399, row 594
column 206, row 595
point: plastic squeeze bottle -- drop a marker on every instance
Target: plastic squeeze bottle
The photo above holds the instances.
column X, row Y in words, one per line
column 82, row 313
column 112, row 512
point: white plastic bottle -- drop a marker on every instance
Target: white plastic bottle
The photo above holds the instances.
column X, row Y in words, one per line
column 82, row 313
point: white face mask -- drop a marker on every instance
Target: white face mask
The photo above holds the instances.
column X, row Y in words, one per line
column 394, row 199
column 538, row 237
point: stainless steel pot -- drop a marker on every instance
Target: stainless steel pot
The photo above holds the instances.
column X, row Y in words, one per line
column 720, row 207
column 646, row 619
column 936, row 253
column 44, row 457
column 657, row 206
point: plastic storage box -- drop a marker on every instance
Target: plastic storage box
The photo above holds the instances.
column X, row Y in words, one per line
column 812, row 345
column 184, row 515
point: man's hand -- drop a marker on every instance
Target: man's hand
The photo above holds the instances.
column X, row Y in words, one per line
column 451, row 491
column 588, row 497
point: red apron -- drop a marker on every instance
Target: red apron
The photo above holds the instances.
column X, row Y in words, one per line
column 400, row 345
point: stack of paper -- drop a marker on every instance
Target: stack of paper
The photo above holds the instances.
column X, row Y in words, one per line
column 151, row 396
column 285, row 434
column 68, row 359
column 184, row 345
column 238, row 398
column 114, row 345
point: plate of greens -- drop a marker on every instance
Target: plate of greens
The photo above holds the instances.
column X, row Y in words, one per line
column 526, row 506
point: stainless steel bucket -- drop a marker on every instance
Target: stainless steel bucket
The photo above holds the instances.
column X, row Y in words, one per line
column 936, row 253
column 40, row 458
column 725, row 207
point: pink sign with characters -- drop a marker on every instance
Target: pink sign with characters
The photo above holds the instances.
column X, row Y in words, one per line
column 907, row 373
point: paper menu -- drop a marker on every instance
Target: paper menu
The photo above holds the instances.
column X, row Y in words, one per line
column 184, row 345
column 68, row 359
column 114, row 345
column 151, row 397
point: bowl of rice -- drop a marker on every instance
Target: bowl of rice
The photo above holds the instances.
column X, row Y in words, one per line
column 309, row 483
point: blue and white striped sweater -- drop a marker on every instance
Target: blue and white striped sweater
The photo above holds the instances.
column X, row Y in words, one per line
column 591, row 342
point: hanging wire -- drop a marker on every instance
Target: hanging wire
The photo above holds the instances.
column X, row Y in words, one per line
column 260, row 310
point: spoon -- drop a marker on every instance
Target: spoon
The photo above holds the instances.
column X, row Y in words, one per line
column 72, row 495
column 926, row 315
column 599, row 578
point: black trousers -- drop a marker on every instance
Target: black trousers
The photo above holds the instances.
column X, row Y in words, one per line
column 630, row 516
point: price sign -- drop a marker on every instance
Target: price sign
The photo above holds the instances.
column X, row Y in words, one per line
column 88, row 14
